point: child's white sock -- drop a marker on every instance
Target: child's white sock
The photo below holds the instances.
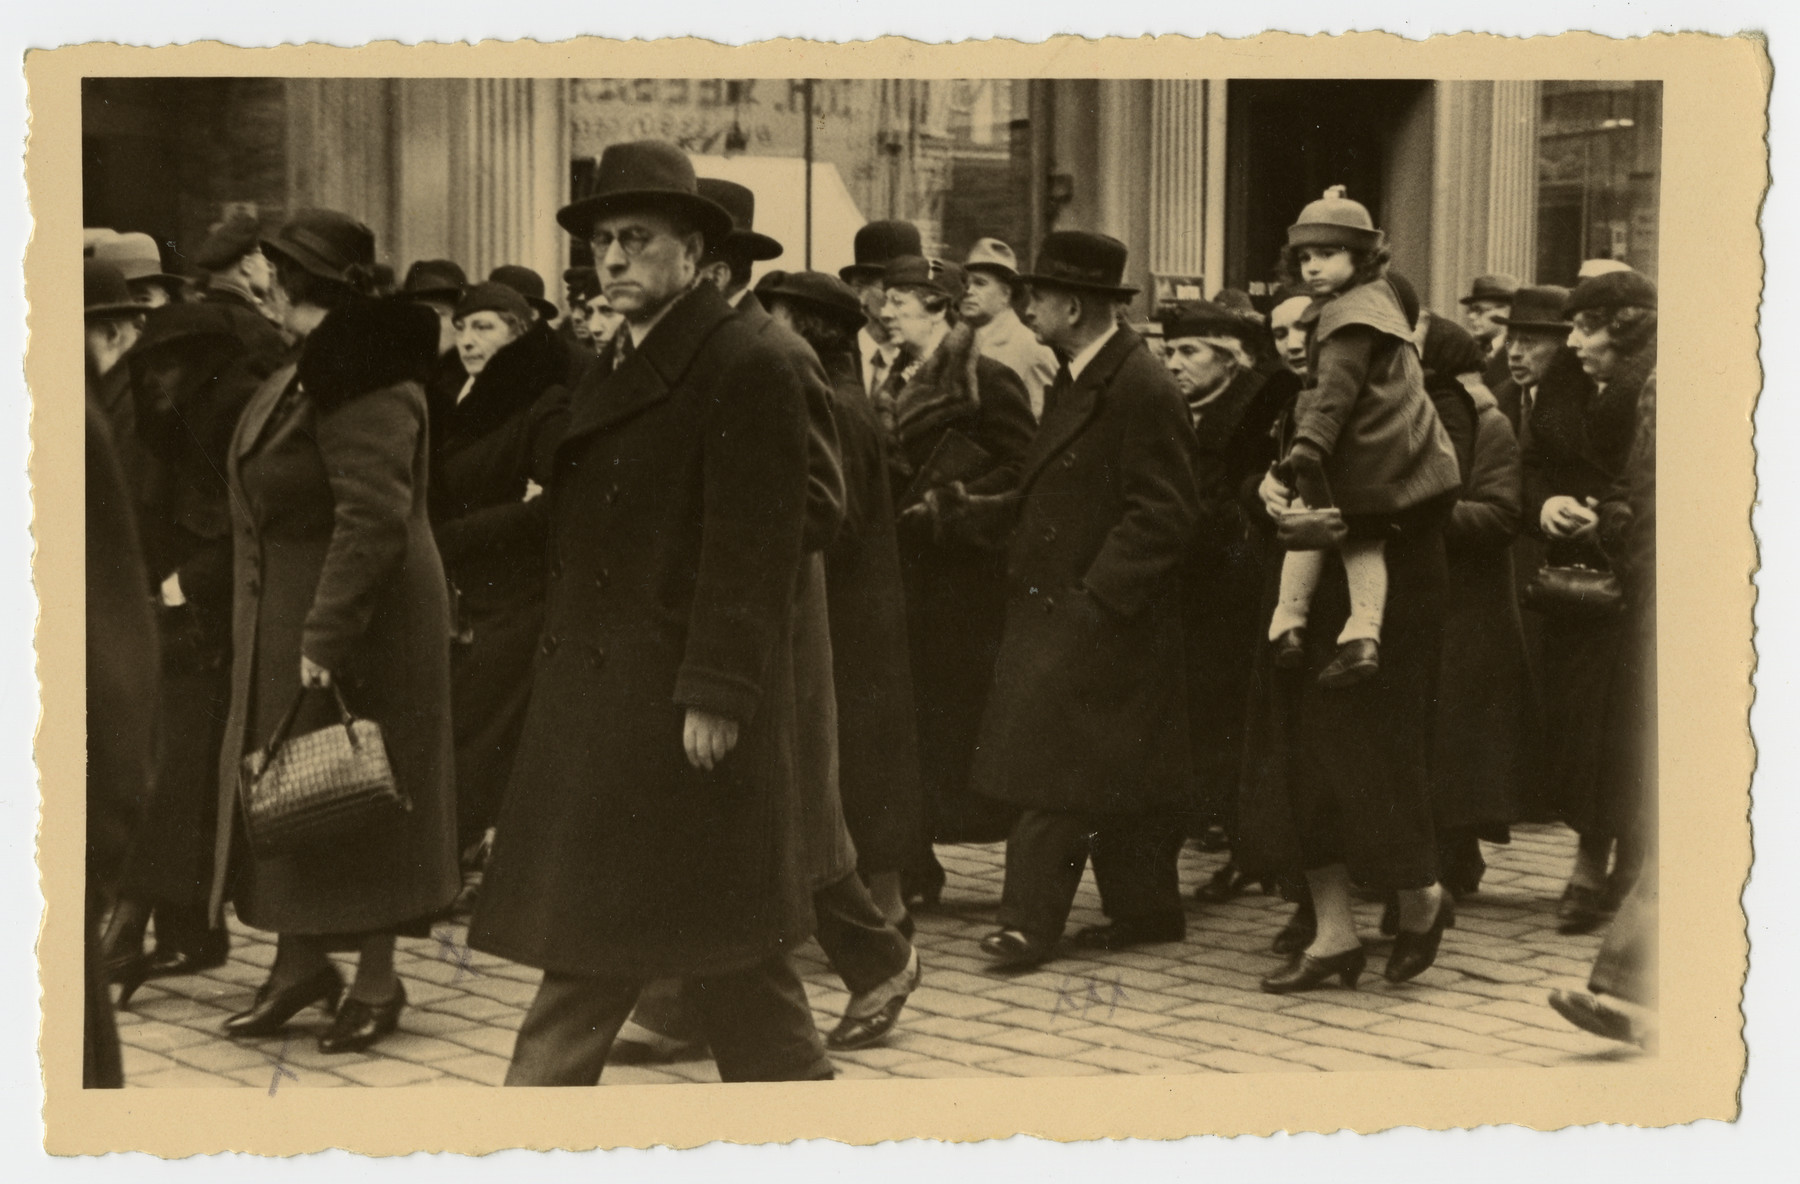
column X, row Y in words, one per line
column 1365, row 570
column 1299, row 577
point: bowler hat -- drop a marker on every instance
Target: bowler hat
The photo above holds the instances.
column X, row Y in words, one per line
column 1082, row 261
column 1615, row 289
column 1334, row 221
column 740, row 202
column 105, row 293
column 992, row 255
column 916, row 271
column 1204, row 318
column 528, row 284
column 583, row 283
column 434, row 279
column 825, row 294
column 228, row 242
column 328, row 244
column 495, row 296
column 136, row 257
column 645, row 174
column 1498, row 288
column 1541, row 309
column 876, row 244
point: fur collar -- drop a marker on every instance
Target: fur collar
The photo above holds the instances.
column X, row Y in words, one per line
column 941, row 389
column 367, row 345
column 512, row 381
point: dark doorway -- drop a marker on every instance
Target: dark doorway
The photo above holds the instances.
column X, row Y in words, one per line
column 1287, row 142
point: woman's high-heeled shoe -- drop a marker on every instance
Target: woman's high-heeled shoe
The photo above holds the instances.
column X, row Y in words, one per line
column 273, row 1009
column 205, row 953
column 1306, row 972
column 1415, row 952
column 359, row 1025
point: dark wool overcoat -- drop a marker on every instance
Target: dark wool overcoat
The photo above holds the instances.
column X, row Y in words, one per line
column 677, row 509
column 486, row 448
column 334, row 558
column 215, row 355
column 1580, row 438
column 955, row 589
column 878, row 751
column 1089, row 711
column 1224, row 576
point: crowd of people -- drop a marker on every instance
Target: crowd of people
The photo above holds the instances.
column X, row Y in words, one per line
column 693, row 614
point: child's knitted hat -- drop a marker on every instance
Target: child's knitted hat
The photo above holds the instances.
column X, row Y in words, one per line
column 1334, row 221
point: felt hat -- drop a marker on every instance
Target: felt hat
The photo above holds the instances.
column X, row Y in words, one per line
column 1204, row 318
column 136, row 257
column 434, row 279
column 105, row 293
column 992, row 255
column 1615, row 289
column 876, row 244
column 583, row 283
column 328, row 244
column 916, row 271
column 1594, row 267
column 228, row 242
column 1082, row 261
column 1334, row 222
column 1543, row 309
column 823, row 293
column 1497, row 288
column 740, row 202
column 640, row 175
column 528, row 284
column 494, row 296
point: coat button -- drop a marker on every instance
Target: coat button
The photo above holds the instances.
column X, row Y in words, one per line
column 1049, row 534
column 604, row 579
column 612, row 493
column 1069, row 461
column 1049, row 604
column 596, row 657
column 549, row 645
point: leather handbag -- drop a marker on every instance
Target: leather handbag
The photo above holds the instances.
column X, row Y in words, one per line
column 1574, row 590
column 330, row 784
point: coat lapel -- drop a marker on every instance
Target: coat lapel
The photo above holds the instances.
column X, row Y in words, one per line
column 261, row 406
column 605, row 396
column 1078, row 405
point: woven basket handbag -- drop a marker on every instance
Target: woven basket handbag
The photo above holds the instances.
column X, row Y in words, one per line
column 324, row 785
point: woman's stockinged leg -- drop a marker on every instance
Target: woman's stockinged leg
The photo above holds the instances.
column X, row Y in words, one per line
column 375, row 978
column 1336, row 932
column 298, row 957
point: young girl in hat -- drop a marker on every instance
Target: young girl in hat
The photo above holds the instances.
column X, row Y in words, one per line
column 1365, row 437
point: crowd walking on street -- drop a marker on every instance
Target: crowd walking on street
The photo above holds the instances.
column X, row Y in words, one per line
column 662, row 630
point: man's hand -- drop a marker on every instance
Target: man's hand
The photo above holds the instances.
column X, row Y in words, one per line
column 708, row 738
column 172, row 596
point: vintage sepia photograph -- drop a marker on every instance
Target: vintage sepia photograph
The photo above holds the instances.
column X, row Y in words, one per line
column 676, row 580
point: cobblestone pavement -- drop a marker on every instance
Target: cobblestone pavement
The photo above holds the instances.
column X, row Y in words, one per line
column 1191, row 1007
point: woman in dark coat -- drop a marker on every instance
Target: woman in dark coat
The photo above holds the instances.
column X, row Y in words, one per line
column 951, row 415
column 492, row 447
column 338, row 584
column 1581, row 435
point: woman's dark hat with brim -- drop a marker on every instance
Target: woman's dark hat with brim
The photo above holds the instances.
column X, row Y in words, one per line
column 934, row 275
column 740, row 202
column 528, row 284
column 645, row 175
column 1204, row 318
column 583, row 283
column 1080, row 261
column 105, row 293
column 825, row 294
column 434, row 279
column 1614, row 289
column 877, row 244
column 1540, row 310
column 494, row 296
column 327, row 244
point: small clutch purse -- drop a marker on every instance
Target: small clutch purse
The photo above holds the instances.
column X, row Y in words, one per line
column 1311, row 530
column 1574, row 590
column 325, row 785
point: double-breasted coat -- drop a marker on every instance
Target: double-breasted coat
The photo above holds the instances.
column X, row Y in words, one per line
column 334, row 558
column 1089, row 710
column 677, row 510
column 487, row 446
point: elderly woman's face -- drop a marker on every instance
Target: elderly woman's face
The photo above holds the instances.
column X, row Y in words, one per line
column 907, row 321
column 1198, row 368
column 481, row 335
column 1594, row 346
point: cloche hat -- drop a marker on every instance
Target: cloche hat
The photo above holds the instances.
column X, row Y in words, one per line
column 328, row 244
column 1615, row 289
column 1334, row 221
column 824, row 293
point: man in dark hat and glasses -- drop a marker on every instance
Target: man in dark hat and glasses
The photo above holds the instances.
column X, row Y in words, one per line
column 648, row 831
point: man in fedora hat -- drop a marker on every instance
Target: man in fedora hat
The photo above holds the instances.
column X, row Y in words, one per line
column 877, row 245
column 113, row 320
column 138, row 260
column 1485, row 309
column 237, row 272
column 1086, row 725
column 1537, row 333
column 987, row 304
column 649, row 827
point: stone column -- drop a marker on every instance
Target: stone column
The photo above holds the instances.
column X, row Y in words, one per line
column 1512, row 181
column 340, row 150
column 515, row 176
column 1187, row 180
column 1484, row 185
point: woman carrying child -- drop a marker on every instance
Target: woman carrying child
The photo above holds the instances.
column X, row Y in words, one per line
column 1339, row 741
